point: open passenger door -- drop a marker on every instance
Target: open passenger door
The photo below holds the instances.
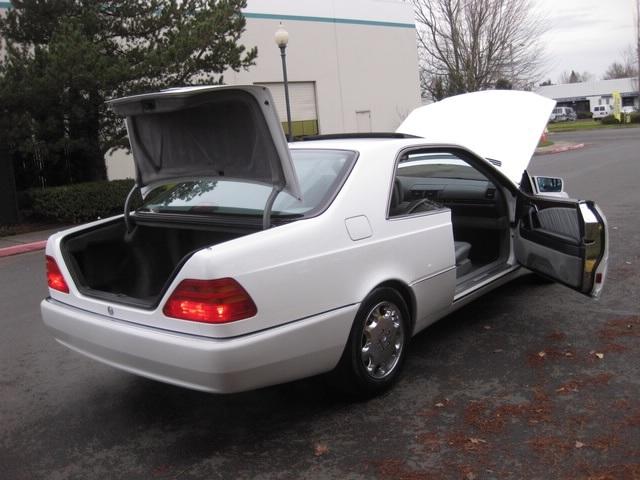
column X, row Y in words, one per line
column 565, row 240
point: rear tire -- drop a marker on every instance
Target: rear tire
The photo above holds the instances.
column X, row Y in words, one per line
column 376, row 349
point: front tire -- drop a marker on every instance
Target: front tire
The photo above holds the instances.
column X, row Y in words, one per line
column 374, row 355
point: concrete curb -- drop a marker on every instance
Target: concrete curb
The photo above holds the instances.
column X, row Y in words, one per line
column 565, row 148
column 22, row 248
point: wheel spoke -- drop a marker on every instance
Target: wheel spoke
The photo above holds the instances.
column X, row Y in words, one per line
column 382, row 340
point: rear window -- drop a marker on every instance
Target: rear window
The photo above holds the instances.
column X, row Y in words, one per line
column 320, row 174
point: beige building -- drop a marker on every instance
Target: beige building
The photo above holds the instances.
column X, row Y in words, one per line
column 584, row 96
column 4, row 6
column 351, row 62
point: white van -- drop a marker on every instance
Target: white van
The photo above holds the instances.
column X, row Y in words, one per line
column 562, row 114
column 601, row 111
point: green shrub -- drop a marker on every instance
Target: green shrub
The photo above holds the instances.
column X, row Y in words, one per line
column 79, row 202
column 584, row 115
column 610, row 120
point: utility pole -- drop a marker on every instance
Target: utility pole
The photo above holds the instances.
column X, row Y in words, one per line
column 638, row 47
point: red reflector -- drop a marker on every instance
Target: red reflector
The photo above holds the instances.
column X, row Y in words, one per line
column 54, row 276
column 210, row 301
column 598, row 277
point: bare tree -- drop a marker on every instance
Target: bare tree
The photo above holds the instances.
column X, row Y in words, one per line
column 625, row 68
column 468, row 45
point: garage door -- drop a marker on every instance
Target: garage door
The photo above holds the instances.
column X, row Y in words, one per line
column 302, row 100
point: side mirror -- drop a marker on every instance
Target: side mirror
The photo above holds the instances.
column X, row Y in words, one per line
column 548, row 185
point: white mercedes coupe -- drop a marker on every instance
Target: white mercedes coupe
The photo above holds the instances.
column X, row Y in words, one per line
column 252, row 262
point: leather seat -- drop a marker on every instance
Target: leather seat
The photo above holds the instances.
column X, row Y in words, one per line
column 463, row 264
column 462, row 251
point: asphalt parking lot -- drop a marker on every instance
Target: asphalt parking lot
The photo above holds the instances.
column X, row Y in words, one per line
column 531, row 381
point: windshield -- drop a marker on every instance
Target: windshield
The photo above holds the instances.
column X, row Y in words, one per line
column 320, row 174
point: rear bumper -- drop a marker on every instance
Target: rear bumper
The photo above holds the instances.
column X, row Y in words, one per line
column 296, row 350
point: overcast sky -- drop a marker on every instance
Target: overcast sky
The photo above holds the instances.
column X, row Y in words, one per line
column 586, row 35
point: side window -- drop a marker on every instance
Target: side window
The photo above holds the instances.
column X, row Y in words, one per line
column 428, row 181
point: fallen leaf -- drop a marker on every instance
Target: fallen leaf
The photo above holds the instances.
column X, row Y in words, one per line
column 568, row 354
column 476, row 441
column 470, row 476
column 439, row 404
column 579, row 444
column 541, row 354
column 487, row 327
column 320, row 449
column 498, row 350
column 628, row 263
column 600, row 355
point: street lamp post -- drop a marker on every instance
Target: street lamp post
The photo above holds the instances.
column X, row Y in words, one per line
column 282, row 38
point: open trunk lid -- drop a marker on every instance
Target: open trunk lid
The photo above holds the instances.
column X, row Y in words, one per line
column 212, row 131
column 503, row 126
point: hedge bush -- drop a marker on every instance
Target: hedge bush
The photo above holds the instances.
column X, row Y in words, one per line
column 79, row 202
column 610, row 120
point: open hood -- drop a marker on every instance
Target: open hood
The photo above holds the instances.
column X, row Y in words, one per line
column 213, row 131
column 503, row 126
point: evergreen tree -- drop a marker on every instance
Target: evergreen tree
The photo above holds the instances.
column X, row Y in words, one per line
column 66, row 57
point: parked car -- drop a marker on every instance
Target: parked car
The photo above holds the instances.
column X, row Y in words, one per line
column 252, row 262
column 601, row 111
column 563, row 114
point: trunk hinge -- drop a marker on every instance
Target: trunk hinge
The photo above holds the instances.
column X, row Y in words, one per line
column 266, row 216
column 127, row 209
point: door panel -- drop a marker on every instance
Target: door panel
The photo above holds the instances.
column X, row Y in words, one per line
column 550, row 261
column 565, row 240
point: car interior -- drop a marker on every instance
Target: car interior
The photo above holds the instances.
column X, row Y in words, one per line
column 427, row 181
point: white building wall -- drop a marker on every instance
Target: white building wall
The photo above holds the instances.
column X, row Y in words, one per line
column 119, row 163
column 599, row 92
column 361, row 54
column 3, row 10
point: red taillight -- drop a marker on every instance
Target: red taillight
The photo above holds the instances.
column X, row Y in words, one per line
column 210, row 301
column 54, row 276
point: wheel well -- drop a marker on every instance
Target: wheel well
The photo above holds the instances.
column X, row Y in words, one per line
column 406, row 294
